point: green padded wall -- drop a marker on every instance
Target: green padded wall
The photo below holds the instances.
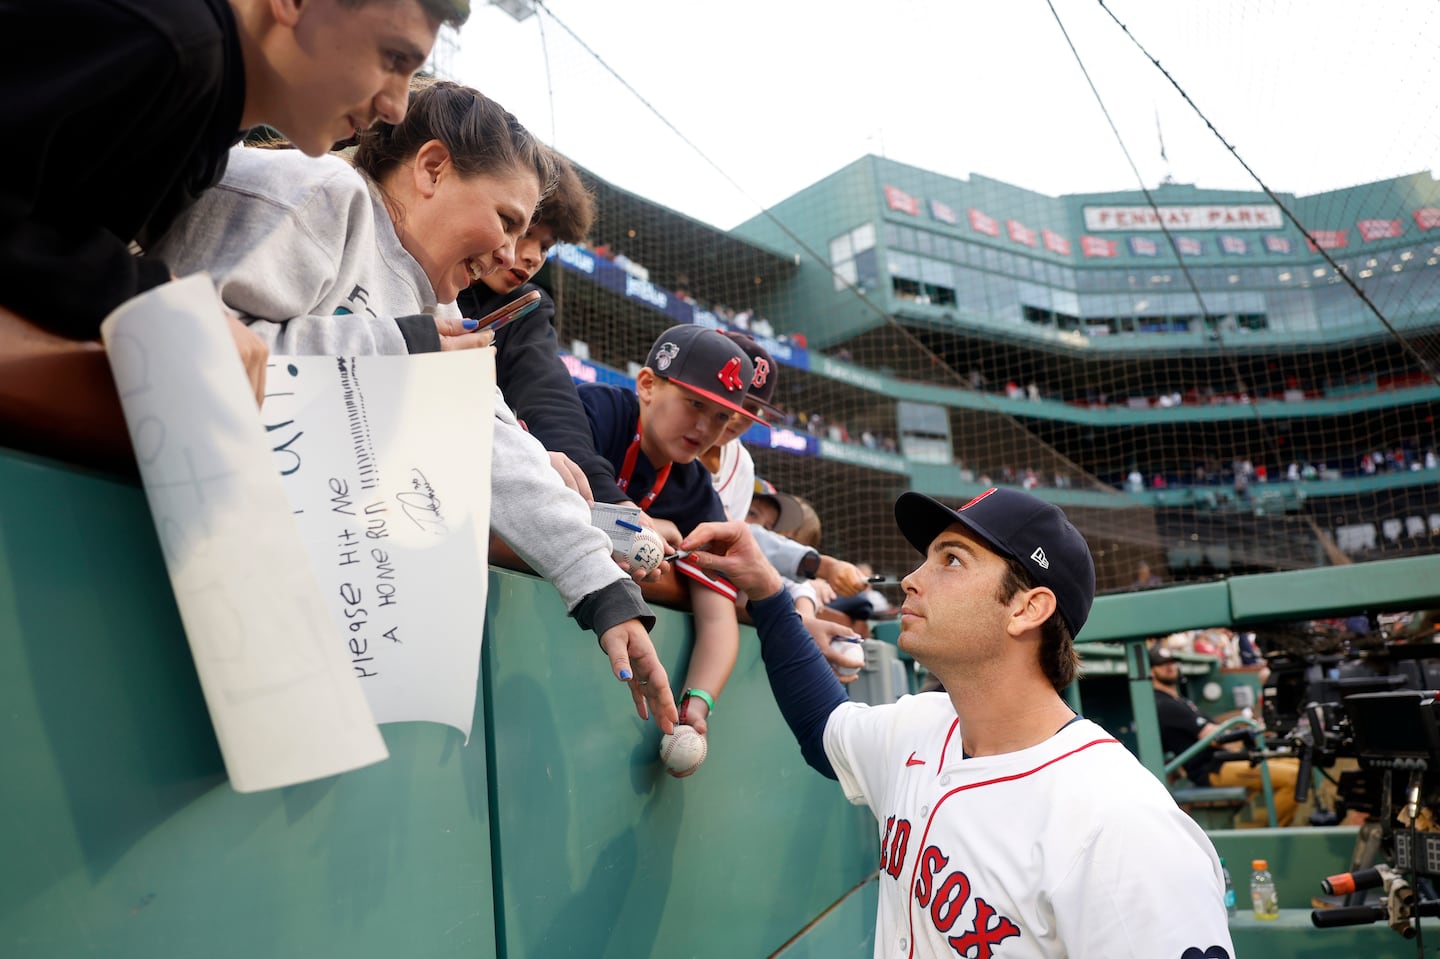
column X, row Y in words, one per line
column 120, row 836
column 601, row 854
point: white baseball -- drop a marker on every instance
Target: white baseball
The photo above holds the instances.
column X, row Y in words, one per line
column 683, row 750
column 647, row 550
column 852, row 652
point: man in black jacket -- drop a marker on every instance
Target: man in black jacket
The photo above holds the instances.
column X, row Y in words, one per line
column 120, row 112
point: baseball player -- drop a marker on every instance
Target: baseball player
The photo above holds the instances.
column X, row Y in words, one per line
column 1009, row 827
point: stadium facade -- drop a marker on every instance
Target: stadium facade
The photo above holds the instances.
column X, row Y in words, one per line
column 948, row 334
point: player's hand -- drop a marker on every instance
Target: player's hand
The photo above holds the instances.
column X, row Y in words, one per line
column 254, row 354
column 730, row 549
column 822, row 631
column 845, row 577
column 458, row 334
column 633, row 660
column 572, row 475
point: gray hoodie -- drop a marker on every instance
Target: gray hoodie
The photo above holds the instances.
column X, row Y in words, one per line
column 304, row 250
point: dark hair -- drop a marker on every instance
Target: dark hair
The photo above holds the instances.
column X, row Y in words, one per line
column 1058, row 657
column 452, row 13
column 569, row 210
column 480, row 135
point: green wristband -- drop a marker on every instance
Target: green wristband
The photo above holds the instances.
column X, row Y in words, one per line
column 701, row 695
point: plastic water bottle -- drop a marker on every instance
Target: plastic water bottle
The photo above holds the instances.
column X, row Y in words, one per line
column 1230, row 907
column 1262, row 891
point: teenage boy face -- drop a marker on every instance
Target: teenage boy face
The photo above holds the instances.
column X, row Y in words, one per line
column 340, row 68
column 677, row 425
column 738, row 424
column 530, row 252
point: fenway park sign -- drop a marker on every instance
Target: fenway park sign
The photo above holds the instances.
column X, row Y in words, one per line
column 1246, row 216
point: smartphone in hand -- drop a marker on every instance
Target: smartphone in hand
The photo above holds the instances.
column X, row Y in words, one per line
column 510, row 312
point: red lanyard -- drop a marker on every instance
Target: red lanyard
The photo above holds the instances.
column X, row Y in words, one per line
column 627, row 468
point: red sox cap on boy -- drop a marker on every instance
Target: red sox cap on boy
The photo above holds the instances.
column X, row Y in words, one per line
column 705, row 362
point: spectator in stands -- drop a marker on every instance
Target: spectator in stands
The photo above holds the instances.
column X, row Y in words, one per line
column 1182, row 725
column 429, row 203
column 693, row 380
column 537, row 386
column 172, row 89
column 1144, row 578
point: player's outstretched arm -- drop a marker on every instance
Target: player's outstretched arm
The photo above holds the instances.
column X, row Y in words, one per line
column 804, row 687
column 634, row 661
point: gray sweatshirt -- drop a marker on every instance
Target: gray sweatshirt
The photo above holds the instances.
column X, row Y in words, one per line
column 304, row 250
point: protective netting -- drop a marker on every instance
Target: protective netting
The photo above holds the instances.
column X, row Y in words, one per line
column 1211, row 378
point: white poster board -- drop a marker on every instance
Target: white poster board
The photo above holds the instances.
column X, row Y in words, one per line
column 328, row 552
column 386, row 463
column 285, row 707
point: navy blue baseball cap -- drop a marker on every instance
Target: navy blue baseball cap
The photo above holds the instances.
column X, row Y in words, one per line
column 1017, row 526
column 706, row 362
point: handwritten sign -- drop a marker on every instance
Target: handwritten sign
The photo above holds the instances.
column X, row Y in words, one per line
column 286, row 708
column 386, row 464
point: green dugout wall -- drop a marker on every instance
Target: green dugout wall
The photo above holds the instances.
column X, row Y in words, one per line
column 552, row 833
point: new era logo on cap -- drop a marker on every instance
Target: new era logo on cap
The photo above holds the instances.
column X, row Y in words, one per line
column 1018, row 526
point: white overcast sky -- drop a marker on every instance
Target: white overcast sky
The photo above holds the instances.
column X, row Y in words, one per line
column 1314, row 94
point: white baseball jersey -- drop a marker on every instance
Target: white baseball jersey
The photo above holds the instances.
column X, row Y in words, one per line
column 1067, row 849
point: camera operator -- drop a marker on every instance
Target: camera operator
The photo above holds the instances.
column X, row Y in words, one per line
column 1182, row 724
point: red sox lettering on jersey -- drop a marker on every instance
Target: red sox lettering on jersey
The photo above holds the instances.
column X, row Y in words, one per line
column 943, row 894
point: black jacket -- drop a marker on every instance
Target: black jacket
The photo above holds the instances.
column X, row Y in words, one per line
column 118, row 113
column 537, row 385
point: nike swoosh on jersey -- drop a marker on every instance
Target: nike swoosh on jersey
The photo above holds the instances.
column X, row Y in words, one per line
column 912, row 761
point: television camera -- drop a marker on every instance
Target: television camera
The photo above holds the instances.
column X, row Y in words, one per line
column 1380, row 708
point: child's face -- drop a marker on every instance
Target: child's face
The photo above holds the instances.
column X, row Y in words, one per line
column 764, row 513
column 341, row 69
column 677, row 425
column 530, row 252
column 738, row 424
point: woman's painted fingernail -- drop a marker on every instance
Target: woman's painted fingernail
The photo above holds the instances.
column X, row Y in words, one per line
column 625, row 674
column 470, row 324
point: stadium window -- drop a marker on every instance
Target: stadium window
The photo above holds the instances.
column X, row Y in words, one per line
column 939, row 295
column 905, row 289
column 1038, row 316
column 853, row 259
column 1252, row 321
column 867, row 269
column 924, row 243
